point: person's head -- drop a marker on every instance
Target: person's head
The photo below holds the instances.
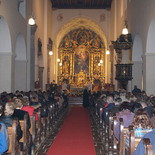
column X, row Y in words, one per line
column 141, row 119
column 132, row 98
column 1, row 109
column 125, row 106
column 18, row 103
column 135, row 107
column 110, row 99
column 9, row 108
column 25, row 101
column 34, row 99
column 143, row 104
column 118, row 101
column 152, row 100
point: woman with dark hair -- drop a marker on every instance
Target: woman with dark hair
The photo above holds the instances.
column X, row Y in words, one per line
column 126, row 114
column 135, row 107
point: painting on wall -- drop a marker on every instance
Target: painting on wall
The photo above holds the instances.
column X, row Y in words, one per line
column 81, row 60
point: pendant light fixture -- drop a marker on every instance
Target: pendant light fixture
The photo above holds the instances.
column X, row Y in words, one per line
column 125, row 29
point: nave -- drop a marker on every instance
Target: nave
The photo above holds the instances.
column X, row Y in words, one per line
column 105, row 140
column 75, row 133
column 72, row 129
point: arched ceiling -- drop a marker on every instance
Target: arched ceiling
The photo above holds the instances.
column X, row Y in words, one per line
column 81, row 4
column 80, row 22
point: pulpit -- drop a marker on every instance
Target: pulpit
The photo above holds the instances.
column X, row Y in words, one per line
column 123, row 46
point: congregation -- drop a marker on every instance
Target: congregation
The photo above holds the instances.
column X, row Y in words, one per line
column 15, row 106
column 136, row 108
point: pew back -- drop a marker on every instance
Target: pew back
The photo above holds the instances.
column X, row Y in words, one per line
column 13, row 144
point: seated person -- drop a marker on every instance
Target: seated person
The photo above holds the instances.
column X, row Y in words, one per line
column 115, row 109
column 108, row 106
column 127, row 116
column 4, row 138
column 18, row 113
column 140, row 150
column 7, row 118
column 34, row 102
column 27, row 108
column 142, row 125
column 150, row 109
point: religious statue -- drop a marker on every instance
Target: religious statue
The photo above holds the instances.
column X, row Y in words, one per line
column 67, row 41
column 66, row 67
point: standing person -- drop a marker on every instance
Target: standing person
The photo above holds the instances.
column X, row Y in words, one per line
column 85, row 98
column 7, row 118
column 136, row 90
column 53, row 86
column 89, row 85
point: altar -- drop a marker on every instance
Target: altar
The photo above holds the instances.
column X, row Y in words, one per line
column 82, row 60
column 76, row 91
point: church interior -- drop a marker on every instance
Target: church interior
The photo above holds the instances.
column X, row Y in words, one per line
column 101, row 45
column 77, row 39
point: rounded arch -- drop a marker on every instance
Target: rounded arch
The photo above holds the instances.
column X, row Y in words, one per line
column 20, row 50
column 79, row 22
column 137, row 50
column 5, row 38
column 75, row 24
column 137, row 55
column 5, row 56
column 150, row 45
column 20, row 63
column 150, row 57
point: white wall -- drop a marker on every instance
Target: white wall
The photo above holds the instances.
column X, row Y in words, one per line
column 140, row 15
column 16, row 24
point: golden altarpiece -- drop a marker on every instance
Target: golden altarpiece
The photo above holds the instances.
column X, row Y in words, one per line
column 82, row 58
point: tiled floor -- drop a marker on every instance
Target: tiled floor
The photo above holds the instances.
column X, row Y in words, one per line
column 99, row 146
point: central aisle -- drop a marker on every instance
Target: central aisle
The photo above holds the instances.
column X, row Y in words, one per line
column 75, row 137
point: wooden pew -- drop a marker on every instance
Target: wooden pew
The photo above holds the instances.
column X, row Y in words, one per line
column 38, row 129
column 44, row 121
column 50, row 117
column 112, row 141
column 25, row 139
column 122, row 137
column 148, row 146
column 33, row 127
column 13, row 144
column 133, row 142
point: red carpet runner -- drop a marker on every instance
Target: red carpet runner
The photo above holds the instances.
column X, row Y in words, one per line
column 75, row 137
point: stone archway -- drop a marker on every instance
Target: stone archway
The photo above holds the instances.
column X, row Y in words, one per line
column 20, row 64
column 74, row 24
column 150, row 59
column 5, row 56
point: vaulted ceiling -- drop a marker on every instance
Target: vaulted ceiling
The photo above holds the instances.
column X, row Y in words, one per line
column 81, row 4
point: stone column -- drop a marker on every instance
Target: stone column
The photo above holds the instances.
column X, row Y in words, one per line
column 32, row 56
